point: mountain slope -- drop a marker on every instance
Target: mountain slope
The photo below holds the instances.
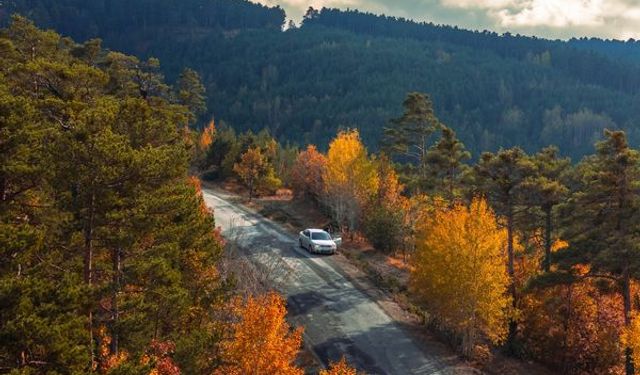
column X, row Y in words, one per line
column 352, row 69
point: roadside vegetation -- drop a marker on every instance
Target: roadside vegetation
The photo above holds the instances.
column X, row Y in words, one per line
column 526, row 254
column 110, row 261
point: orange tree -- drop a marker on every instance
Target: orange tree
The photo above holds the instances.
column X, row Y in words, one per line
column 307, row 173
column 252, row 166
column 261, row 341
column 339, row 368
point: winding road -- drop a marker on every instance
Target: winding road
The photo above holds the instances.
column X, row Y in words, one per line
column 339, row 318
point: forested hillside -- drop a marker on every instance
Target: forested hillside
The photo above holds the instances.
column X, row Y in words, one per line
column 351, row 69
column 110, row 262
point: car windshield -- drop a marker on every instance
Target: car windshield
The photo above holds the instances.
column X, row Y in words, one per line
column 320, row 236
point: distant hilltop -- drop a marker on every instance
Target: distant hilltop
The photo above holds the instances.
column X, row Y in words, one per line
column 349, row 69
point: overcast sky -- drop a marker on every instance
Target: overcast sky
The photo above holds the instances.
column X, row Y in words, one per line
column 563, row 19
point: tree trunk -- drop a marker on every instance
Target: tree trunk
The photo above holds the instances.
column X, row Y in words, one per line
column 565, row 325
column 547, row 240
column 626, row 296
column 513, row 326
column 117, row 267
column 468, row 342
column 3, row 189
column 452, row 174
column 88, row 267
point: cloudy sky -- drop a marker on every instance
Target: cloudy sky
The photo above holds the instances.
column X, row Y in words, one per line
column 547, row 18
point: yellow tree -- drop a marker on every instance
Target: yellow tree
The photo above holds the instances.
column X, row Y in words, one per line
column 261, row 340
column 389, row 192
column 459, row 272
column 350, row 178
column 251, row 167
column 339, row 368
column 383, row 221
column 631, row 338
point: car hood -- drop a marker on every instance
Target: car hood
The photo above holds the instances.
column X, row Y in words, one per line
column 323, row 242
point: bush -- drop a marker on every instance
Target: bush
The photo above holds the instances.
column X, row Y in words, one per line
column 383, row 228
column 269, row 184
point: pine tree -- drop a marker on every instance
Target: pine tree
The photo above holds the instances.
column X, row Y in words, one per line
column 102, row 235
column 545, row 189
column 602, row 219
column 445, row 163
column 408, row 137
column 500, row 177
column 191, row 93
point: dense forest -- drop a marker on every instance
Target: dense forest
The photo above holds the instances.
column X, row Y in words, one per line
column 110, row 261
column 521, row 253
column 344, row 69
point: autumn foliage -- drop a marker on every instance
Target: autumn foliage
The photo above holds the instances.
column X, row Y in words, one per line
column 159, row 358
column 575, row 328
column 631, row 338
column 307, row 173
column 459, row 272
column 339, row 368
column 252, row 165
column 261, row 341
column 207, row 136
column 350, row 179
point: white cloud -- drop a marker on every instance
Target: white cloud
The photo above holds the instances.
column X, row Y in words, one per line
column 480, row 4
column 608, row 18
column 546, row 18
column 555, row 13
column 297, row 8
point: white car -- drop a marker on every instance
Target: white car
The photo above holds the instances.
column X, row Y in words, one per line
column 318, row 241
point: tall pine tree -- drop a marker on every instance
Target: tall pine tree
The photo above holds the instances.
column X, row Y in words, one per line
column 500, row 177
column 603, row 219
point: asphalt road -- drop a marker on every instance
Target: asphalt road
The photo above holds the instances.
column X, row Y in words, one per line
column 338, row 318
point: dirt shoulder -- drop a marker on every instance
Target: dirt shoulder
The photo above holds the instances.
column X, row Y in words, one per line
column 382, row 277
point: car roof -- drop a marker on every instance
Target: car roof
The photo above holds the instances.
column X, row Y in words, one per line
column 315, row 230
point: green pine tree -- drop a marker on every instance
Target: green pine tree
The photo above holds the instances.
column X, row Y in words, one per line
column 544, row 189
column 408, row 138
column 500, row 177
column 602, row 219
column 446, row 167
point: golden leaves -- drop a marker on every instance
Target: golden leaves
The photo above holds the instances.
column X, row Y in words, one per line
column 630, row 338
column 307, row 173
column 261, row 340
column 460, row 273
column 339, row 368
column 208, row 136
column 109, row 361
column 348, row 167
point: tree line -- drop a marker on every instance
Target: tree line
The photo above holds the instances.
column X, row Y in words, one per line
column 528, row 252
column 351, row 69
column 110, row 261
